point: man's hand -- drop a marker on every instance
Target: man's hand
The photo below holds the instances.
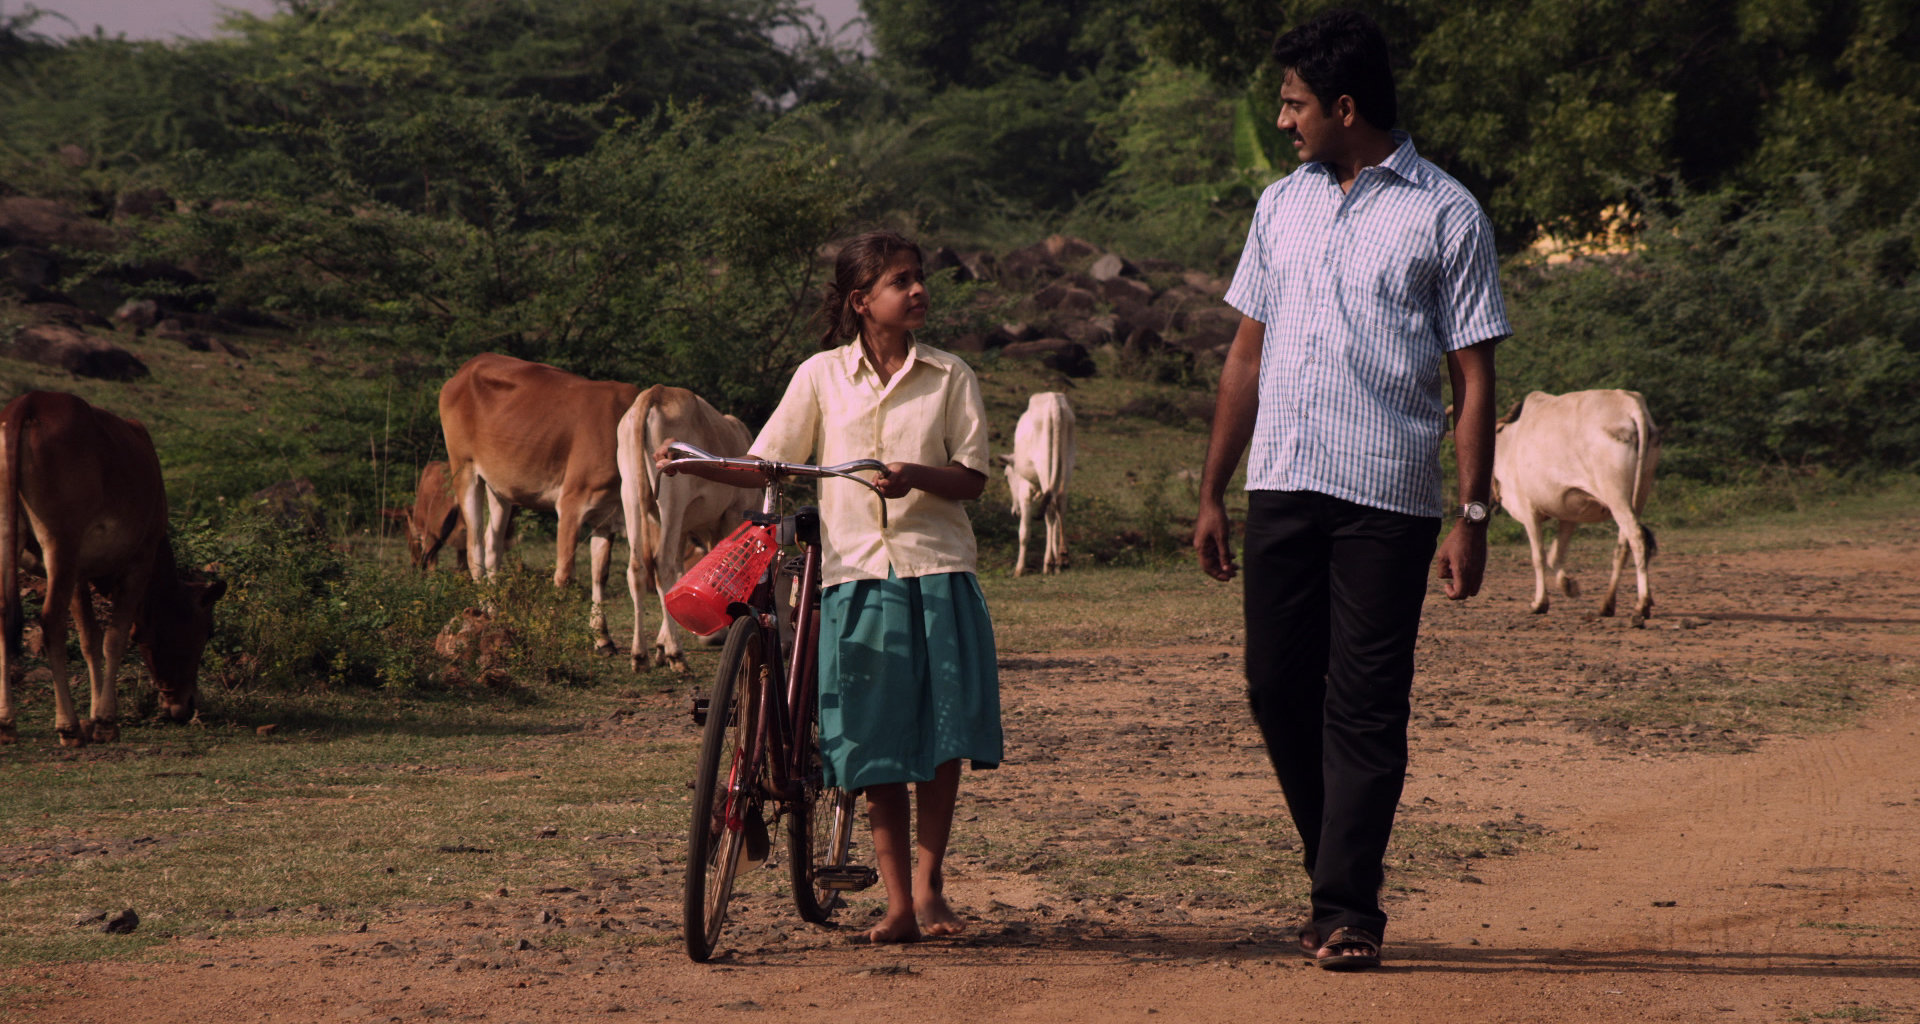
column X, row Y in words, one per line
column 1212, row 540
column 1462, row 560
column 663, row 459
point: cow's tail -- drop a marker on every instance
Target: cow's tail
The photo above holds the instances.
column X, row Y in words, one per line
column 443, row 530
column 648, row 545
column 1055, row 442
column 11, row 518
column 1646, row 437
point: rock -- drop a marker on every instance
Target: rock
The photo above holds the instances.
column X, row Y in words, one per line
column 945, row 259
column 1111, row 267
column 76, row 352
column 28, row 270
column 49, row 224
column 1066, row 356
column 1068, row 249
column 1126, row 291
column 141, row 202
column 1069, row 299
column 1029, row 265
column 122, row 923
column 139, row 314
column 66, row 313
column 295, row 505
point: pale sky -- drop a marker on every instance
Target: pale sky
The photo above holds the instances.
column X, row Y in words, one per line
column 164, row 19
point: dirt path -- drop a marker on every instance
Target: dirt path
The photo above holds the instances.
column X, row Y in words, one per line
column 1670, row 875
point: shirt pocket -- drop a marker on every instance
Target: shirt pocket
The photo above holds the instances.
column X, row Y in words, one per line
column 1381, row 286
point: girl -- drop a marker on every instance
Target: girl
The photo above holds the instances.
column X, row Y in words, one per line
column 908, row 680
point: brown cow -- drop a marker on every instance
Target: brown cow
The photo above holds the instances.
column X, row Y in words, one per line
column 434, row 521
column 665, row 512
column 528, row 435
column 81, row 495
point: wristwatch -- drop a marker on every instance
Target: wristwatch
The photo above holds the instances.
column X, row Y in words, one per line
column 1474, row 513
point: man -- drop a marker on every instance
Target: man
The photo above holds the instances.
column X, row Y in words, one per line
column 1365, row 271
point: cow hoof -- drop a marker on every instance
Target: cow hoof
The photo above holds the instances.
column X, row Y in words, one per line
column 1637, row 621
column 71, row 737
column 1539, row 609
column 1606, row 611
column 1570, row 587
column 101, row 731
column 639, row 663
column 606, row 647
column 8, row 733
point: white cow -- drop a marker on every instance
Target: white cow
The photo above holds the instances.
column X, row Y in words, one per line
column 664, row 512
column 1039, row 472
column 1582, row 457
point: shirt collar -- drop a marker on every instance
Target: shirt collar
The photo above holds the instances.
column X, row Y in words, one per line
column 1404, row 161
column 853, row 360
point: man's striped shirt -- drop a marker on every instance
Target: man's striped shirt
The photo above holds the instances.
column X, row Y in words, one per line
column 1362, row 294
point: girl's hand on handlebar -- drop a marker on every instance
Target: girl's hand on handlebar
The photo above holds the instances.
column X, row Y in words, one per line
column 663, row 459
column 896, row 481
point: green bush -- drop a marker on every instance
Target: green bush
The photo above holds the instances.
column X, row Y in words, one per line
column 1769, row 334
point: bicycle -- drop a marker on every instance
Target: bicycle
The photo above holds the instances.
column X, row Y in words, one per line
column 761, row 742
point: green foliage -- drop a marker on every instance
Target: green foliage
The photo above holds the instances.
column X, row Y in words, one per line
column 1554, row 110
column 1770, row 334
column 300, row 615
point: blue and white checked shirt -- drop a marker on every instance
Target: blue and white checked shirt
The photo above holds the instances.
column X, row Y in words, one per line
column 1363, row 293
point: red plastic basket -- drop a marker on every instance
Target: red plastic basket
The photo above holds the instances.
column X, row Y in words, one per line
column 728, row 574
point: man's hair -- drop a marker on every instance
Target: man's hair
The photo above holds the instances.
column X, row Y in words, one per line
column 1343, row 53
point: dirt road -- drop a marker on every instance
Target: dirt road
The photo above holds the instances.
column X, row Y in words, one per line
column 1718, row 873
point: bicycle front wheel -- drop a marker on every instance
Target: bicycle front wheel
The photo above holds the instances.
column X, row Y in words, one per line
column 726, row 788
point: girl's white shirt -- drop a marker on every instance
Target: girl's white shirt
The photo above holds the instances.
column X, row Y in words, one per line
column 931, row 412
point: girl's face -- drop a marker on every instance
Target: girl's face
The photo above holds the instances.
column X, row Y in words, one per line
column 898, row 298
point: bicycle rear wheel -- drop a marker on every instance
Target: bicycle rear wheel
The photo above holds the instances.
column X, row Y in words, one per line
column 726, row 790
column 819, row 837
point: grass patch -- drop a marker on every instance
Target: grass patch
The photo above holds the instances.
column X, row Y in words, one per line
column 1081, row 609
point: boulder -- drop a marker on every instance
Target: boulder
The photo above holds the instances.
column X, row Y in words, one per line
column 1111, row 266
column 1029, row 265
column 1064, row 298
column 65, row 313
column 49, row 224
column 1068, row 249
column 27, row 269
column 141, row 202
column 76, row 352
column 1067, row 356
column 945, row 259
column 139, row 314
column 294, row 504
column 1119, row 291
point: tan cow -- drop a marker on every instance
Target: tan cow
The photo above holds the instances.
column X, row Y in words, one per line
column 1039, row 472
column 81, row 497
column 665, row 512
column 1582, row 457
column 434, row 521
column 527, row 435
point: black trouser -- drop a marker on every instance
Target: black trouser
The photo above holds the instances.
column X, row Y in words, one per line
column 1333, row 596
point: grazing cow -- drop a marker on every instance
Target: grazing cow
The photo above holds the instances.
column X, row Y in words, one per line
column 665, row 512
column 434, row 521
column 1582, row 457
column 81, row 497
column 1039, row 472
column 526, row 435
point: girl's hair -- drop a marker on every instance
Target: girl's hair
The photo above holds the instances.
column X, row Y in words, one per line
column 861, row 262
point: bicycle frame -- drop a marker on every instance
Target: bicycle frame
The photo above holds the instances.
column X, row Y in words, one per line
column 774, row 755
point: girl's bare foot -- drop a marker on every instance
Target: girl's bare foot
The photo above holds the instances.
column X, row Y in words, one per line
column 936, row 918
column 895, row 927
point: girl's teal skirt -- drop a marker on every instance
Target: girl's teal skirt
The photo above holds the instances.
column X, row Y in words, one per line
column 908, row 679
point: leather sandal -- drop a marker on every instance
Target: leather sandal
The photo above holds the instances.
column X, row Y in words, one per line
column 1349, row 949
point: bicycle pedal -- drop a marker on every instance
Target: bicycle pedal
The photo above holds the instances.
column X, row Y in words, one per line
column 846, row 877
column 699, row 709
column 759, row 846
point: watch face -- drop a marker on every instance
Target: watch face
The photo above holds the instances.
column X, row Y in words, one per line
column 1474, row 512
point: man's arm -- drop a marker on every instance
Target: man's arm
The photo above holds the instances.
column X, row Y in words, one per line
column 1233, row 418
column 1463, row 555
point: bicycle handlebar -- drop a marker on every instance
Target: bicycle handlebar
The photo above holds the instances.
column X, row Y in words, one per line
column 773, row 471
